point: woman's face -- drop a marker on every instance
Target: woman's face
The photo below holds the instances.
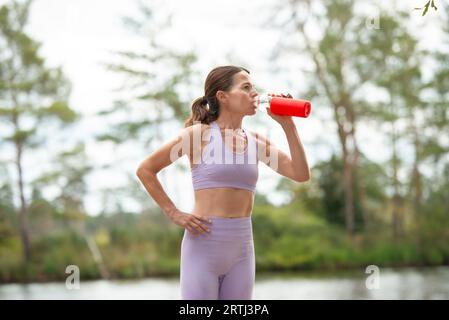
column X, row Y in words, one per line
column 242, row 96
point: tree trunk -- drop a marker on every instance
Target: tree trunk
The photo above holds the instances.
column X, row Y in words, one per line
column 349, row 196
column 23, row 211
column 23, row 214
column 417, row 189
column 357, row 174
column 416, row 174
column 347, row 179
column 397, row 199
column 361, row 189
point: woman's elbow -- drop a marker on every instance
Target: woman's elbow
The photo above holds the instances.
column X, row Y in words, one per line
column 303, row 177
column 142, row 171
column 139, row 172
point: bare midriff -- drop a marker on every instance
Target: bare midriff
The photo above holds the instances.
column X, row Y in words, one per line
column 223, row 202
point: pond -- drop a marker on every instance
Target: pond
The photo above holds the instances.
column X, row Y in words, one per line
column 403, row 283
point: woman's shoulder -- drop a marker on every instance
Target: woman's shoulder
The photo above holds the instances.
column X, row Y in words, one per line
column 197, row 131
column 197, row 128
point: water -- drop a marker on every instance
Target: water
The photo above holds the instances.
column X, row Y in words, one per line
column 404, row 283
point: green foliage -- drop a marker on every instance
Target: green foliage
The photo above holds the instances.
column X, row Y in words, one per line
column 324, row 194
column 289, row 237
column 26, row 84
column 426, row 7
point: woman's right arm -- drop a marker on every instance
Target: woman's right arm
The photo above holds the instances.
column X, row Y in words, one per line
column 155, row 162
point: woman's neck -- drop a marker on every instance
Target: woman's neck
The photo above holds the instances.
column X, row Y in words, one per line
column 234, row 124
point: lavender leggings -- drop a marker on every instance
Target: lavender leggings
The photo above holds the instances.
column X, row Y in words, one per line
column 219, row 264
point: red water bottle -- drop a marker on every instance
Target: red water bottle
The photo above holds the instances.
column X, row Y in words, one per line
column 281, row 105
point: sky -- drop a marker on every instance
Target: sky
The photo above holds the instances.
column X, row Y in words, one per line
column 80, row 35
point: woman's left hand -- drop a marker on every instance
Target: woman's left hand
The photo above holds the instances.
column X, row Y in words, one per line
column 282, row 120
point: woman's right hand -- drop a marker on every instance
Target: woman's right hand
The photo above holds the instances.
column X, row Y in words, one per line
column 194, row 224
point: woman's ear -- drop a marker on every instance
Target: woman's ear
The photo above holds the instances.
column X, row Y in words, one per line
column 221, row 96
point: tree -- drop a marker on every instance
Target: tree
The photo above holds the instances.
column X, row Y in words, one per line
column 156, row 84
column 154, row 79
column 415, row 109
column 394, row 68
column 31, row 95
column 332, row 56
column 347, row 59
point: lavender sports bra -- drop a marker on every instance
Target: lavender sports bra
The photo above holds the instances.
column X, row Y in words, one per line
column 220, row 167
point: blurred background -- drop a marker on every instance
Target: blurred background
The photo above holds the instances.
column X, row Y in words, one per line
column 88, row 89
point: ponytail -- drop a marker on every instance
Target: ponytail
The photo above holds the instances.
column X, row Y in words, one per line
column 202, row 112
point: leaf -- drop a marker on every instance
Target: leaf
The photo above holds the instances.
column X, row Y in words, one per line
column 430, row 3
column 433, row 5
column 110, row 137
column 60, row 110
column 20, row 136
column 426, row 7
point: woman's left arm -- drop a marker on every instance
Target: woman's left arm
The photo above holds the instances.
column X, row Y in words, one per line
column 298, row 155
column 296, row 166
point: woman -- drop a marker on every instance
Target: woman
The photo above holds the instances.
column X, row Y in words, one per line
column 217, row 250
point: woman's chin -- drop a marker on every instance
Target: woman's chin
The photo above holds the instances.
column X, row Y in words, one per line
column 251, row 112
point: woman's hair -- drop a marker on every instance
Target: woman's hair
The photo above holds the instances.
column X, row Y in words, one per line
column 206, row 109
